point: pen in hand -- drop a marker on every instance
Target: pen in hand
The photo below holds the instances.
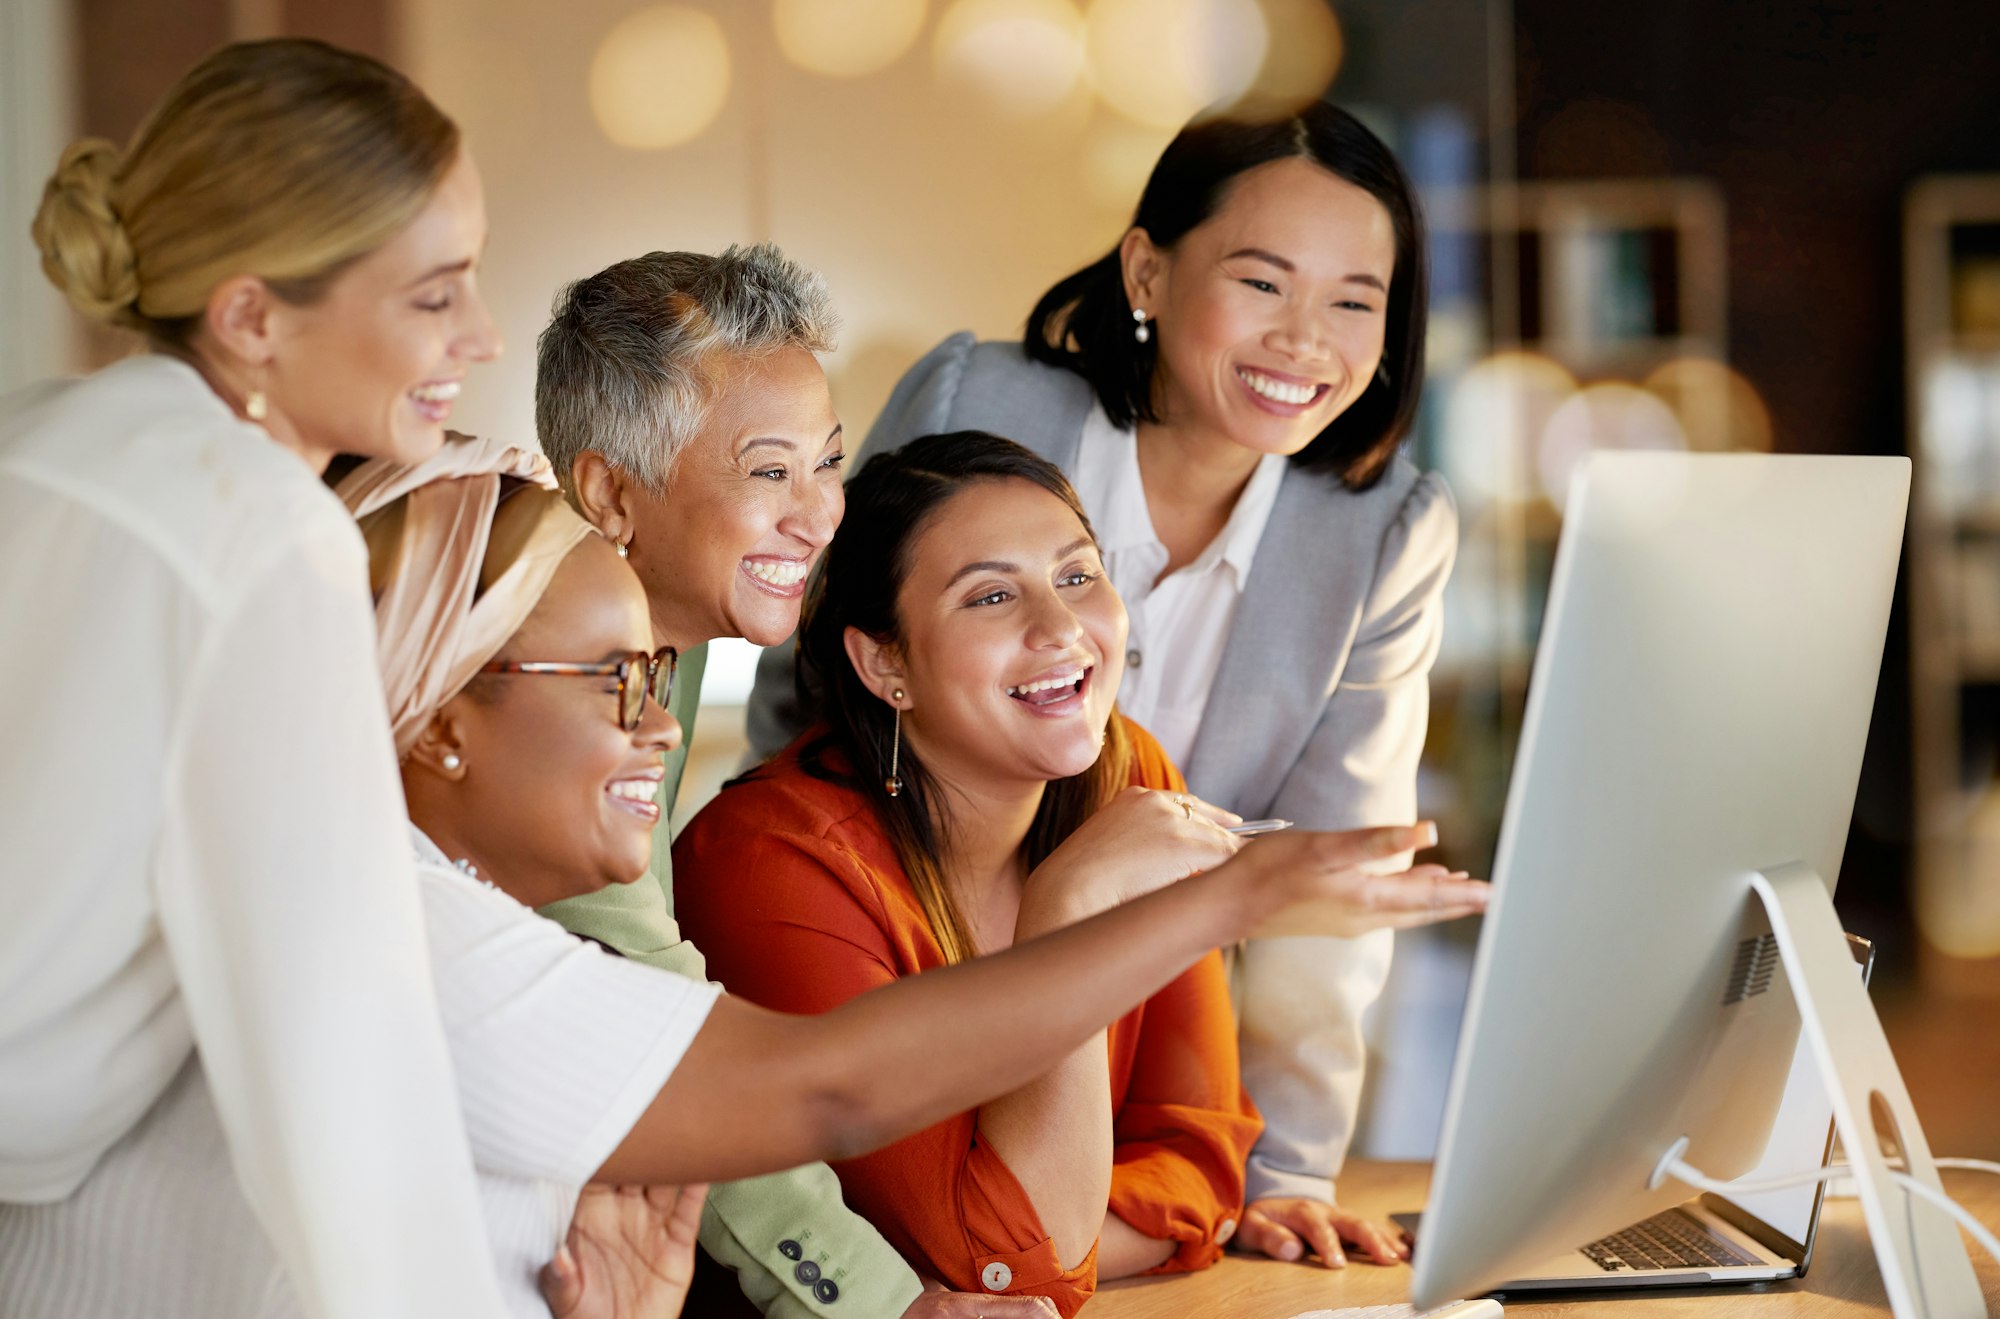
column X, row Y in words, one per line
column 1250, row 828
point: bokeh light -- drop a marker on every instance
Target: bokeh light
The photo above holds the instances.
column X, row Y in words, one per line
column 1160, row 61
column 1494, row 422
column 1117, row 158
column 846, row 38
column 1719, row 411
column 1020, row 57
column 660, row 77
column 1613, row 415
column 1301, row 57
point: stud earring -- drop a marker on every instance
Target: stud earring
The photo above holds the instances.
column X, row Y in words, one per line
column 451, row 760
column 1141, row 331
column 893, row 785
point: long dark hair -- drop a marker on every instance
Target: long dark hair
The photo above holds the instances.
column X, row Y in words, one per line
column 889, row 502
column 1084, row 323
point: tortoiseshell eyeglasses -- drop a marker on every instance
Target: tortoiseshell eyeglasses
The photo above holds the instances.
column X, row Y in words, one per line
column 639, row 675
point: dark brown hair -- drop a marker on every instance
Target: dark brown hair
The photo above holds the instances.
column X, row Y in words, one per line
column 889, row 503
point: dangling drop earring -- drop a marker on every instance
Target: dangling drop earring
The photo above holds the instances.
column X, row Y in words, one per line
column 893, row 785
column 1141, row 331
column 256, row 406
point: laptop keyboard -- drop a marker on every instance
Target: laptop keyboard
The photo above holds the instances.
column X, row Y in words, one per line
column 1673, row 1240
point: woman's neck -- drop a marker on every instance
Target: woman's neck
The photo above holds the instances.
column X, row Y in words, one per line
column 1192, row 480
column 223, row 384
column 989, row 822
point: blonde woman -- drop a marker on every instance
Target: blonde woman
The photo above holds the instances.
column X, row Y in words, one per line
column 224, row 1087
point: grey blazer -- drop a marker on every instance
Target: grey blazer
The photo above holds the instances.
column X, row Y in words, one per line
column 1317, row 714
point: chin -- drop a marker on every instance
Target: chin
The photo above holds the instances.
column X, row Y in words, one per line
column 766, row 629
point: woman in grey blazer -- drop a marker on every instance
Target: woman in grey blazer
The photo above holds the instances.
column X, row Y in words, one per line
column 1229, row 388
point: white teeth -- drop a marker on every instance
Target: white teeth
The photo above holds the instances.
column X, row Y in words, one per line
column 442, row 392
column 1045, row 684
column 778, row 572
column 1277, row 390
column 635, row 789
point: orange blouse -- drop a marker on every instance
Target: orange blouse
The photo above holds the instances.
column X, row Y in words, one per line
column 792, row 890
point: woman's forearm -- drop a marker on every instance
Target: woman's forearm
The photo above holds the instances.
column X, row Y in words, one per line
column 759, row 1091
column 1054, row 1135
column 1122, row 1250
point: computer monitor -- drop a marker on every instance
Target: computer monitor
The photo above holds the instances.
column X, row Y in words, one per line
column 1696, row 715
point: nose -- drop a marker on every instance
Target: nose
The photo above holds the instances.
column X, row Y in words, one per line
column 480, row 341
column 815, row 514
column 1052, row 624
column 657, row 730
column 1300, row 333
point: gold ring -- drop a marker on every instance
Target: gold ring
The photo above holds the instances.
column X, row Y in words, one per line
column 1187, row 807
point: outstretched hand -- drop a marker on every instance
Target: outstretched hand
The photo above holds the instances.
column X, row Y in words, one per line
column 630, row 1253
column 1340, row 872
column 1292, row 1227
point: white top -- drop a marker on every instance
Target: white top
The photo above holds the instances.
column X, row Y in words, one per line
column 1181, row 622
column 204, row 845
column 559, row 1047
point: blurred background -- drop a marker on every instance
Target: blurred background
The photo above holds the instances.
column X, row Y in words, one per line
column 1705, row 224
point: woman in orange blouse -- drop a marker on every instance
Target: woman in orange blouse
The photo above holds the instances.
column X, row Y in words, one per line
column 964, row 648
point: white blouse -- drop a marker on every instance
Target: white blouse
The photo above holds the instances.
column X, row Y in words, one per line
column 204, row 847
column 559, row 1048
column 1181, row 622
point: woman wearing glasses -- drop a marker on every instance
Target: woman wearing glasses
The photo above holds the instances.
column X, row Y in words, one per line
column 1228, row 388
column 223, row 1079
column 527, row 700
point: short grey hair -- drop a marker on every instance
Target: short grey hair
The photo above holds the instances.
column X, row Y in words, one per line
column 630, row 362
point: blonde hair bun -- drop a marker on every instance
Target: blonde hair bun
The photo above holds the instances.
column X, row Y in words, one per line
column 85, row 250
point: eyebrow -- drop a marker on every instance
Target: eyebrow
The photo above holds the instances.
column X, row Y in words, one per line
column 453, row 268
column 780, row 442
column 997, row 565
column 1259, row 254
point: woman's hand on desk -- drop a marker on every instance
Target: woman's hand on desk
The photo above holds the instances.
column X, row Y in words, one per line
column 1289, row 1228
column 937, row 1303
column 630, row 1253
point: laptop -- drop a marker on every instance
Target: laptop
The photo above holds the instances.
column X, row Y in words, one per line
column 1717, row 1240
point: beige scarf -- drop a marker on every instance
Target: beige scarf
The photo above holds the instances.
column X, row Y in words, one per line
column 437, row 627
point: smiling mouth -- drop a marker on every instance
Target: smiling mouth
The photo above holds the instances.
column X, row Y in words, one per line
column 1294, row 394
column 1056, row 692
column 639, row 796
column 784, row 577
column 435, row 398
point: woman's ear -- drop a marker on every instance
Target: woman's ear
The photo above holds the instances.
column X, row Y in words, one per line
column 1144, row 269
column 440, row 748
column 239, row 320
column 604, row 495
column 879, row 664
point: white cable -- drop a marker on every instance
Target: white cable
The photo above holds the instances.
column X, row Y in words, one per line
column 1925, row 1191
column 1677, row 1168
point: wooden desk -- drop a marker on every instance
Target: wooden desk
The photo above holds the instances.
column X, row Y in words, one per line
column 1842, row 1280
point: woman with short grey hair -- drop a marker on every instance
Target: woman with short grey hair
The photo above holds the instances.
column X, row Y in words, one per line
column 680, row 399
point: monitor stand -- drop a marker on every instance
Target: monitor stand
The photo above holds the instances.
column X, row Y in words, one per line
column 1925, row 1268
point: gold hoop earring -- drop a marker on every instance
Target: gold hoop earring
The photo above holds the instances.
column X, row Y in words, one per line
column 624, row 548
column 893, row 785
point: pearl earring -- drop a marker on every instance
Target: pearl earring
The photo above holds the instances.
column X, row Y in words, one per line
column 893, row 785
column 256, row 406
column 1141, row 331
column 451, row 760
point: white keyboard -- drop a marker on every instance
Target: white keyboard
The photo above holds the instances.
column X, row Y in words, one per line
column 1483, row 1308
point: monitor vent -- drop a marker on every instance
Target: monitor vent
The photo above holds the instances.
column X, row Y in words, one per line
column 1750, row 975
